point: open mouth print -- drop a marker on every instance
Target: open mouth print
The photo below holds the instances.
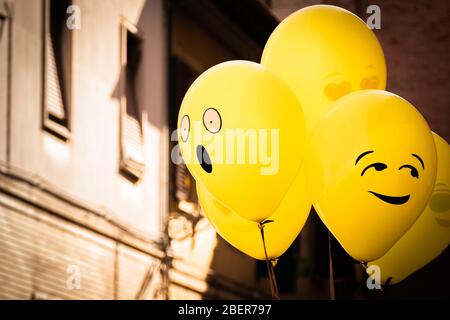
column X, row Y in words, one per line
column 204, row 159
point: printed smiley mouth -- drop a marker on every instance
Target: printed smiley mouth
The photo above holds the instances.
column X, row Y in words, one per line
column 204, row 159
column 391, row 200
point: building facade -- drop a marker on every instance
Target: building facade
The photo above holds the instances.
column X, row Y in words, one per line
column 91, row 207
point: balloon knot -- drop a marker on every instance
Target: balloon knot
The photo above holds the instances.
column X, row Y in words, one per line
column 274, row 262
column 262, row 223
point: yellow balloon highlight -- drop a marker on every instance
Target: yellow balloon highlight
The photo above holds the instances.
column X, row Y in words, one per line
column 371, row 170
column 324, row 52
column 430, row 235
column 242, row 136
column 287, row 222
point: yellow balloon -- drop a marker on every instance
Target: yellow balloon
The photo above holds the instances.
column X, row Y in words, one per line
column 324, row 52
column 371, row 170
column 430, row 235
column 242, row 136
column 245, row 235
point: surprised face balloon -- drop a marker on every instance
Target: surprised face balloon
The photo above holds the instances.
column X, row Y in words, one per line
column 241, row 133
column 371, row 170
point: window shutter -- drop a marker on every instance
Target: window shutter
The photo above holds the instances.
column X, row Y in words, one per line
column 57, row 59
column 2, row 19
column 131, row 136
column 53, row 90
column 182, row 182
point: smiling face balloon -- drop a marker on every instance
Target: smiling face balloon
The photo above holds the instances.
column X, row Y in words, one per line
column 371, row 169
column 430, row 235
column 242, row 136
column 324, row 52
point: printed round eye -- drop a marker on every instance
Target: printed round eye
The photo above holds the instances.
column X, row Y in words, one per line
column 212, row 120
column 185, row 125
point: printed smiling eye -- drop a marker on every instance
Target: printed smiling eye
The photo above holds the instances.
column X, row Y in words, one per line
column 212, row 120
column 414, row 172
column 377, row 166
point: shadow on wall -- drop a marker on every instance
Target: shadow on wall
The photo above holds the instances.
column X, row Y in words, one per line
column 233, row 275
column 141, row 77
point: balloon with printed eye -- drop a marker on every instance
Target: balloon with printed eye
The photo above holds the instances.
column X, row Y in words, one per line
column 371, row 168
column 430, row 234
column 242, row 137
column 324, row 52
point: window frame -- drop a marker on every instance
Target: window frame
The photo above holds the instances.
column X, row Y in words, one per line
column 50, row 125
column 3, row 19
column 130, row 168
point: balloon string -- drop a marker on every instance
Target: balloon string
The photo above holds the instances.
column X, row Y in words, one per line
column 330, row 259
column 386, row 285
column 274, row 279
column 270, row 270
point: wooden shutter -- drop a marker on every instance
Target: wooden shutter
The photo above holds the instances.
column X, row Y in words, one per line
column 182, row 182
column 53, row 91
column 57, row 40
column 131, row 136
column 2, row 22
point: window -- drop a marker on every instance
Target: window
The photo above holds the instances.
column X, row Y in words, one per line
column 57, row 57
column 2, row 21
column 5, row 82
column 182, row 186
column 131, row 137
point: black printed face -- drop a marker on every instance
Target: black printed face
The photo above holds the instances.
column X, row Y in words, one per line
column 378, row 167
column 440, row 204
column 212, row 122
